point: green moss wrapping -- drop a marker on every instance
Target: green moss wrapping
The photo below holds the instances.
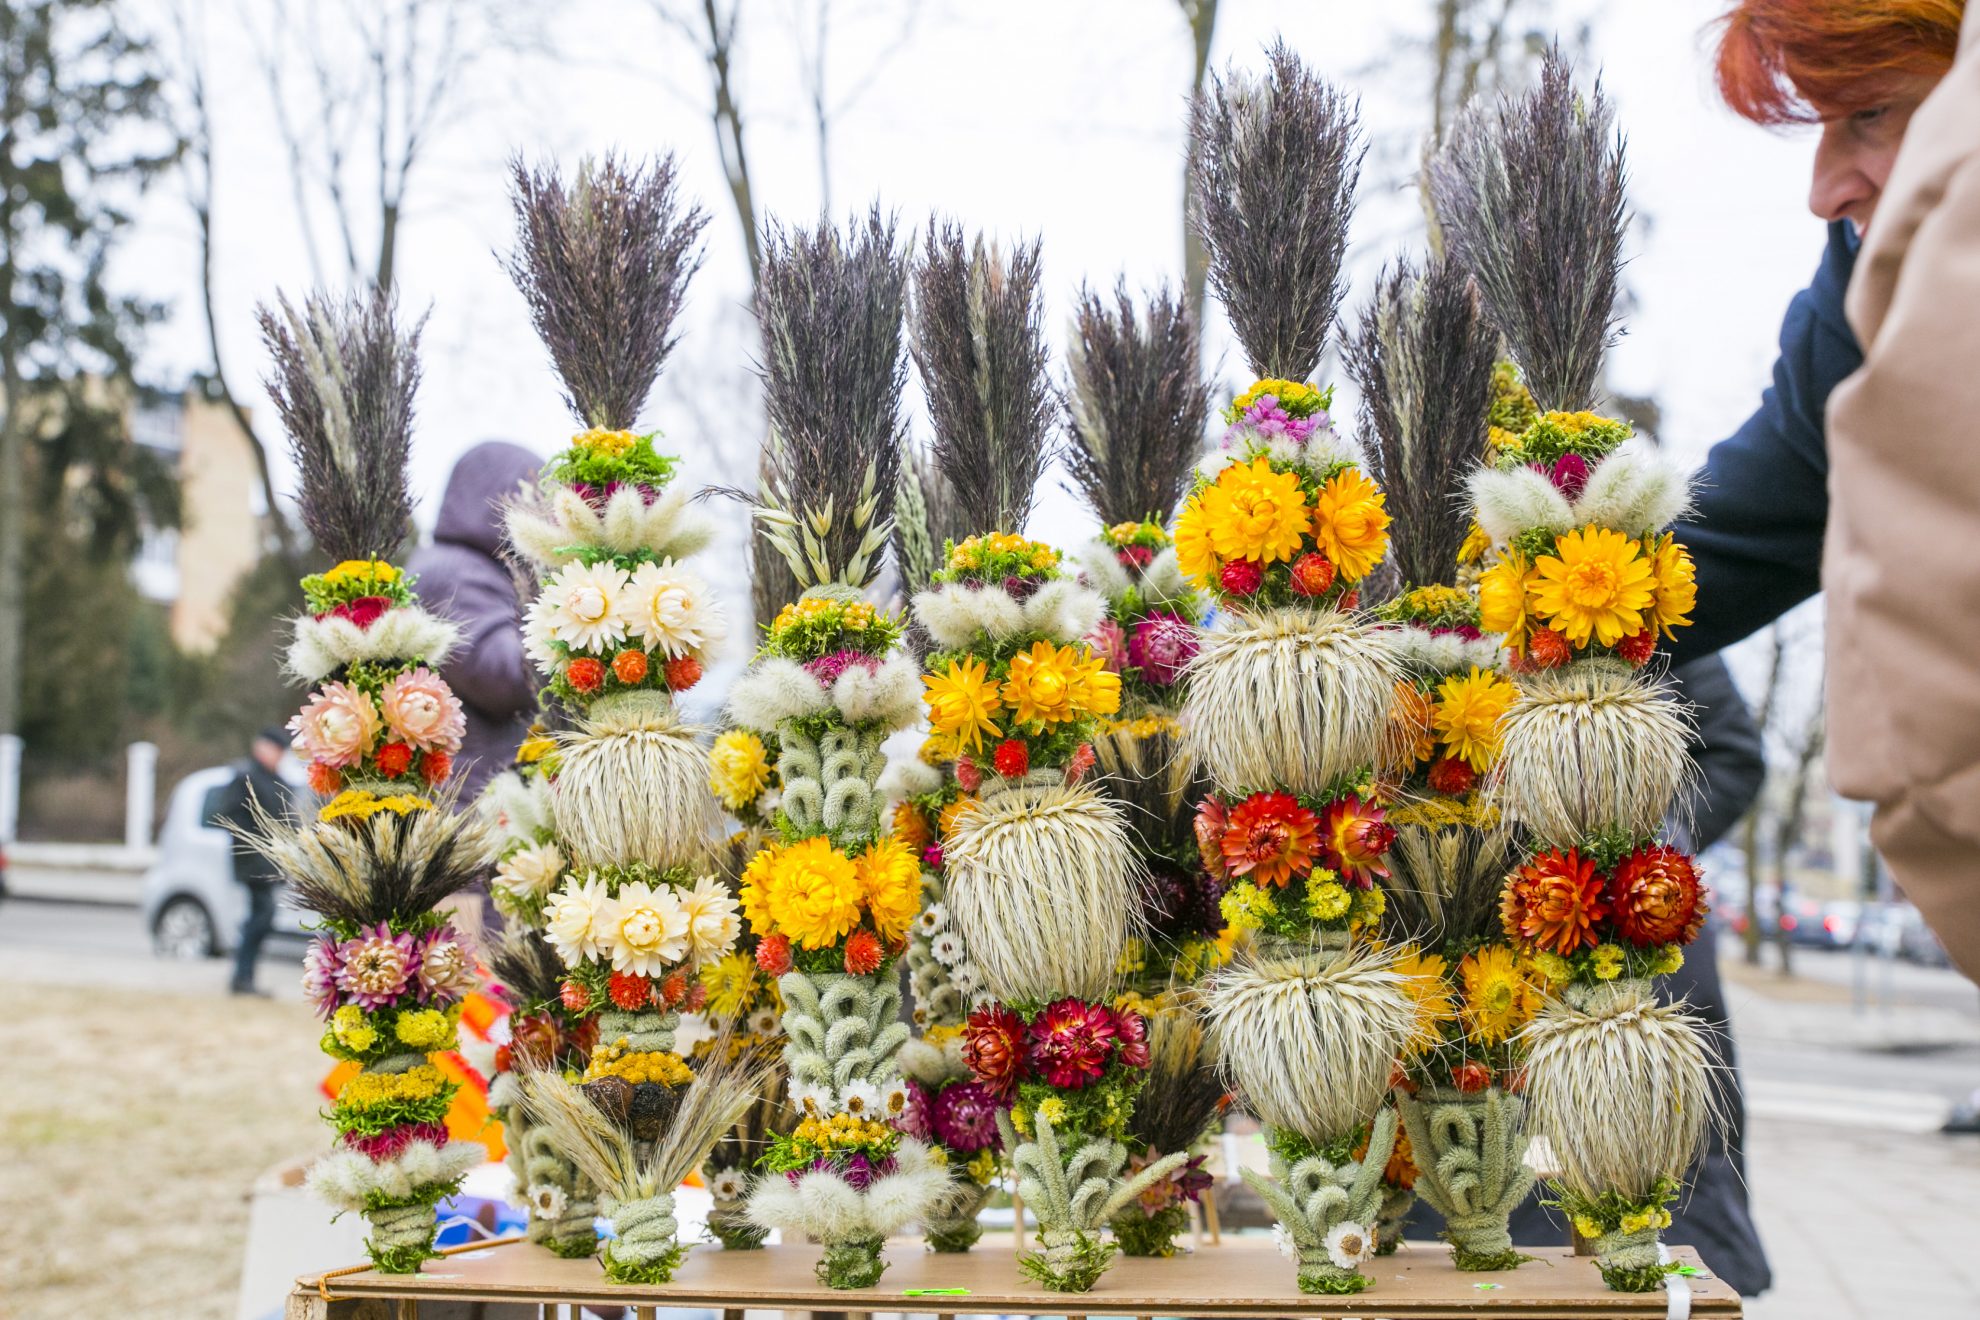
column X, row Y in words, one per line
column 1471, row 1169
column 1150, row 1235
column 855, row 1264
column 1315, row 1195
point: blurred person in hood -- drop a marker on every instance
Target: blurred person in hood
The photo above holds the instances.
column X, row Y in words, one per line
column 462, row 576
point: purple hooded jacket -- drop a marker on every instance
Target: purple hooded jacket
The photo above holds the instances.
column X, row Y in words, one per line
column 461, row 576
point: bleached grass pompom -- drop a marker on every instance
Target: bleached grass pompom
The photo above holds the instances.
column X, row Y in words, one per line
column 1426, row 655
column 551, row 529
column 1508, row 503
column 775, row 690
column 1064, row 610
column 407, row 632
column 344, row 1179
column 1100, row 564
column 955, row 614
column 1162, row 582
column 632, row 786
column 907, row 777
column 1308, row 1038
column 1591, row 748
column 1289, row 697
column 1634, row 490
column 515, row 810
column 889, row 694
column 822, row 1204
column 1621, row 1087
column 1039, row 884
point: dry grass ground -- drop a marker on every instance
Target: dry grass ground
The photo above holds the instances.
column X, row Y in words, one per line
column 132, row 1127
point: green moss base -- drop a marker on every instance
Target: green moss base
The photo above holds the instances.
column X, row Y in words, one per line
column 954, row 1240
column 660, row 1270
column 1485, row 1261
column 1641, row 1279
column 1337, row 1283
column 401, row 1260
column 851, row 1264
column 1075, row 1268
column 573, row 1248
column 1150, row 1235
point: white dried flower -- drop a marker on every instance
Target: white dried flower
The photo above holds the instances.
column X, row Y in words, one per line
column 947, row 948
column 860, row 1099
column 546, row 1200
column 1348, row 1244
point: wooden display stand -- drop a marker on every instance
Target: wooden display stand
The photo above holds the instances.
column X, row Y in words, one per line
column 1244, row 1277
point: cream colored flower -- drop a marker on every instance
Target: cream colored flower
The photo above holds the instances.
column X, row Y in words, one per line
column 1348, row 1244
column 671, row 610
column 530, row 870
column 712, row 924
column 574, row 919
column 646, row 929
column 585, row 603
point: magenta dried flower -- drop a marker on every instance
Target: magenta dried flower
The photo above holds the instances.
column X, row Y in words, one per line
column 1109, row 641
column 964, row 1117
column 913, row 1120
column 1163, row 644
column 321, row 963
column 827, row 668
column 381, row 1146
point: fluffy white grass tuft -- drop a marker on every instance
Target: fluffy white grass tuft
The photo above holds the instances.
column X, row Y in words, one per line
column 551, row 528
column 345, row 1178
column 773, row 690
column 323, row 646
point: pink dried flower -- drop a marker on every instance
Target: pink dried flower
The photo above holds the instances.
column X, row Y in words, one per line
column 1163, row 644
column 445, row 970
column 423, row 711
column 1109, row 642
column 339, row 726
column 827, row 668
column 385, row 1145
column 321, row 963
column 376, row 967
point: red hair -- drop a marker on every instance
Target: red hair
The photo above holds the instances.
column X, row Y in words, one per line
column 1801, row 61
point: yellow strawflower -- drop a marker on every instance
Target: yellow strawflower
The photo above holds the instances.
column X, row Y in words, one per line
column 961, row 703
column 890, row 881
column 1425, row 978
column 1196, row 558
column 1351, row 523
column 1676, row 586
column 1595, row 584
column 1502, row 599
column 1254, row 512
column 815, row 893
column 731, row 982
column 1497, row 998
column 1046, row 682
column 1468, row 712
column 738, row 768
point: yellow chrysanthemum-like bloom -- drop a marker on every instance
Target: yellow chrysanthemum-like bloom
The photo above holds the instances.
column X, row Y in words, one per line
column 375, row 572
column 756, row 885
column 611, row 444
column 814, row 893
column 1596, row 584
column 1677, row 586
column 962, row 702
column 1412, row 736
column 1056, row 684
column 1607, row 961
column 1498, row 1000
column 1296, row 397
column 1196, row 558
column 1476, row 543
column 954, row 812
column 1254, row 512
column 1502, row 593
column 1425, row 977
column 1351, row 523
column 738, row 768
column 534, row 748
column 1469, row 709
column 890, row 878
column 731, row 982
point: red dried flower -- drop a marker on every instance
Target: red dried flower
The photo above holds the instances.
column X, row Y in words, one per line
column 576, row 998
column 697, row 998
column 1012, row 758
column 394, row 759
column 1353, row 839
column 505, row 1059
column 326, row 780
column 1548, row 649
column 1312, row 574
column 1241, row 577
column 434, row 767
column 863, row 953
column 773, row 955
column 1083, row 758
column 1655, row 897
column 993, row 1049
column 1471, row 1077
column 363, row 611
column 1637, row 648
column 683, row 672
column 1070, row 1042
column 1553, row 902
column 674, row 988
column 1352, row 601
column 1132, row 1030
column 628, row 992
column 1211, row 822
column 969, row 777
column 1271, row 838
column 1453, row 775
column 584, row 674
column 629, row 666
column 1515, row 1080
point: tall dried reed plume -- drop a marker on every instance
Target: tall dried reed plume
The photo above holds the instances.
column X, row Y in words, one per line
column 343, row 383
column 1276, row 162
column 1529, row 193
column 604, row 264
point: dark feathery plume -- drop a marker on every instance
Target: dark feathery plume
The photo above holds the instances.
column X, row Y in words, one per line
column 978, row 338
column 1184, row 1093
column 1137, row 404
column 391, row 868
column 1276, row 162
column 604, row 265
column 527, row 967
column 343, row 383
column 830, row 306
column 1423, row 363
column 1529, row 192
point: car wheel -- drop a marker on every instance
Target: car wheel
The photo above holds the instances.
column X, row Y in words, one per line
column 184, row 929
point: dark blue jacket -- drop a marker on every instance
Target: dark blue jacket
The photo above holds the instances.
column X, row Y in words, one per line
column 1763, row 497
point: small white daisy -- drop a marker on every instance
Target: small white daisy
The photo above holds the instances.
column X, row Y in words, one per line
column 762, row 1022
column 1348, row 1244
column 965, row 978
column 546, row 1200
column 894, row 1099
column 860, row 1099
column 947, row 948
column 813, row 1100
column 728, row 1185
column 1284, row 1242
column 933, row 918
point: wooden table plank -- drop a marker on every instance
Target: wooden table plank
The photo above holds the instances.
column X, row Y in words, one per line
column 1243, row 1278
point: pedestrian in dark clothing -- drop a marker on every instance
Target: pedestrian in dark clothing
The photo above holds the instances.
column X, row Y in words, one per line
column 461, row 576
column 256, row 786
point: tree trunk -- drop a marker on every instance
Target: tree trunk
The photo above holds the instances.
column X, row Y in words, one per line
column 1202, row 16
column 729, row 137
column 13, row 430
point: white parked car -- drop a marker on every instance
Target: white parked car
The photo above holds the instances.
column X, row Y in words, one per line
column 192, row 904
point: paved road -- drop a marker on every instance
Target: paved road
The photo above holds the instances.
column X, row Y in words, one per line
column 105, row 944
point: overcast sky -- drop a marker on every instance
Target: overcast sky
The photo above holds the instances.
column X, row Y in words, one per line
column 1024, row 117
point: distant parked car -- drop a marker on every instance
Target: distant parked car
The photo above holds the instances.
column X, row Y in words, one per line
column 1896, row 928
column 192, row 905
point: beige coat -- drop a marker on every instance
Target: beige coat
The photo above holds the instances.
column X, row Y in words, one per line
column 1901, row 565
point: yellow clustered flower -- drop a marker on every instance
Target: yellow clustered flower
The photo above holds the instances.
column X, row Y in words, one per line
column 1444, row 812
column 534, row 748
column 1434, row 599
column 1369, row 905
column 1294, row 396
column 1051, row 684
column 1551, row 966
column 845, row 1132
column 1327, row 899
column 1148, row 726
column 637, row 1066
column 1501, row 440
column 1644, row 1220
column 599, row 440
column 941, row 1034
column 1587, row 1227
column 1468, row 711
column 1668, row 959
column 856, row 616
column 1351, row 523
column 425, row 1029
column 969, row 555
column 368, row 1089
column 1052, row 1110
column 1021, row 1120
column 813, row 893
column 1245, row 906
column 1607, row 961
column 374, row 572
column 363, row 804
column 352, row 1030
column 1134, row 958
column 1498, row 999
column 738, row 768
column 982, row 1167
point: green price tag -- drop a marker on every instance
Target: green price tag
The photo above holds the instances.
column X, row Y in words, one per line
column 934, row 1292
